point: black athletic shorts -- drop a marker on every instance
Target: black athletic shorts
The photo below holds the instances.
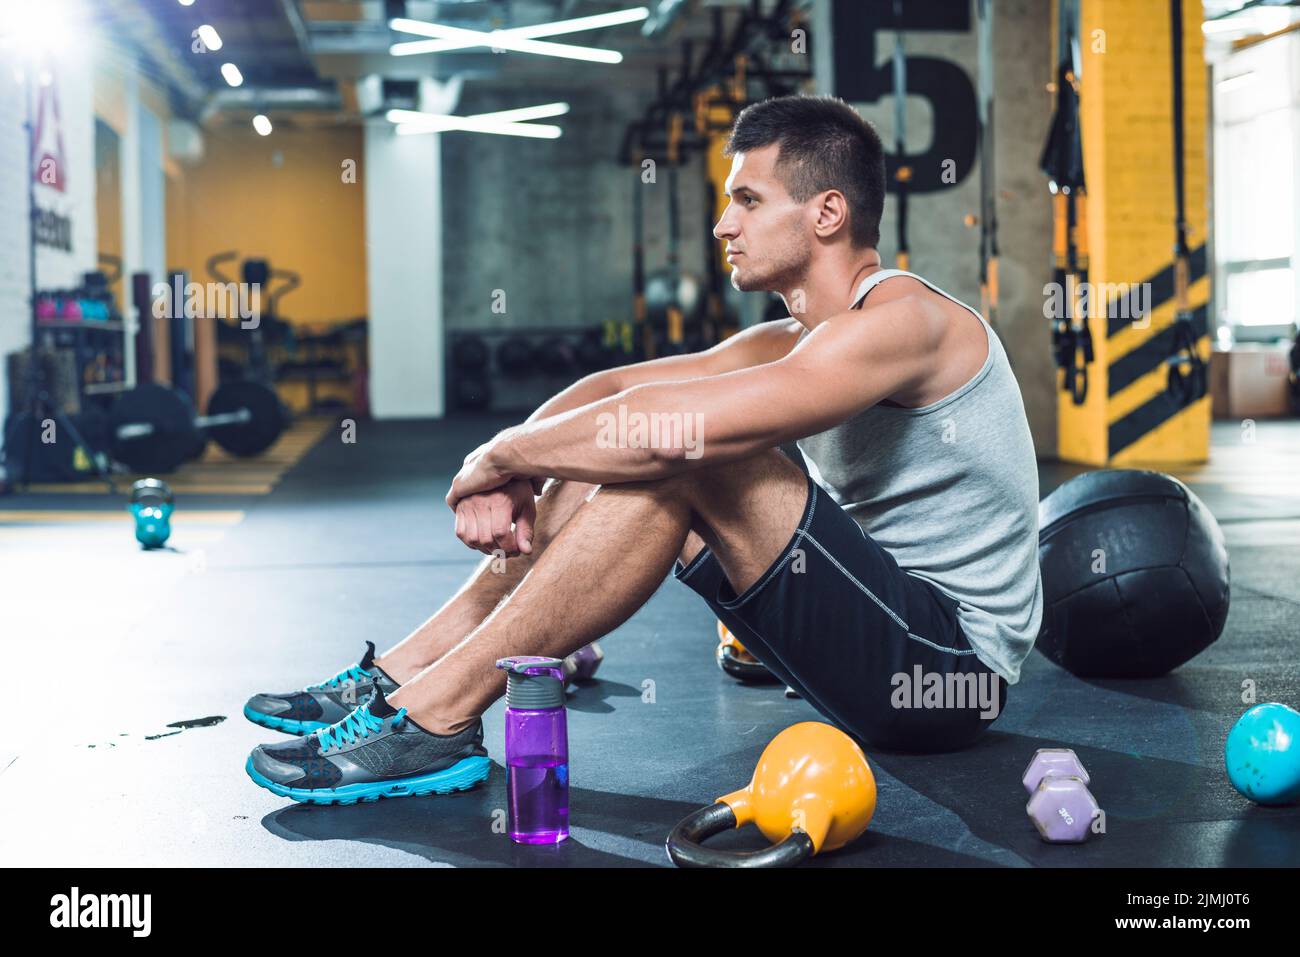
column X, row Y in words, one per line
column 877, row 651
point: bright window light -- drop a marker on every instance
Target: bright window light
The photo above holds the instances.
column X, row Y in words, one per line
column 1236, row 82
column 1231, row 25
column 1270, row 19
column 262, row 124
column 232, row 74
column 1264, row 297
column 38, row 28
column 1252, row 20
column 211, row 39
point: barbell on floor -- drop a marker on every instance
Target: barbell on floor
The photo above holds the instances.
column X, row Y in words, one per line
column 154, row 428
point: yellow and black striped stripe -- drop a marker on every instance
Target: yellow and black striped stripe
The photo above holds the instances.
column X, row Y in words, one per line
column 1127, row 110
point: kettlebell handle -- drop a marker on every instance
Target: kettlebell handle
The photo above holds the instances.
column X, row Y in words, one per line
column 686, row 849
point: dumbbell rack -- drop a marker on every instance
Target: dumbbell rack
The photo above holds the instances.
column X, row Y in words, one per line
column 321, row 358
column 39, row 403
column 511, row 392
column 90, row 342
column 87, row 339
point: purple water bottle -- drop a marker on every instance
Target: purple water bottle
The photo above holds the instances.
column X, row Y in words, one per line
column 537, row 750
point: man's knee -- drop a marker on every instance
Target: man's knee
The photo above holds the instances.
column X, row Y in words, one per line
column 769, row 465
column 744, row 484
column 717, row 492
column 560, row 498
column 728, row 491
column 691, row 549
column 567, row 488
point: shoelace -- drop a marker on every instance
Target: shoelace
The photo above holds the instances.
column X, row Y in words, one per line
column 359, row 723
column 354, row 674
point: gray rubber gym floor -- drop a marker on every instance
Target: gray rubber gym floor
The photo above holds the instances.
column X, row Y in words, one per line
column 111, row 652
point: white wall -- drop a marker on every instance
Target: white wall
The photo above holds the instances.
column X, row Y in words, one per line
column 404, row 256
column 70, row 83
column 14, row 265
column 71, row 137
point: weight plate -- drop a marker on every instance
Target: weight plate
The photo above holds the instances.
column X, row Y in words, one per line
column 515, row 356
column 556, row 357
column 472, row 391
column 470, row 354
column 171, row 438
column 258, row 433
column 200, row 446
column 94, row 425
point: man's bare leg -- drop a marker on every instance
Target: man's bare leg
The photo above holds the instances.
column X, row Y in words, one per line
column 492, row 581
column 606, row 561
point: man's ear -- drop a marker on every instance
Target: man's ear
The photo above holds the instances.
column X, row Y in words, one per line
column 832, row 214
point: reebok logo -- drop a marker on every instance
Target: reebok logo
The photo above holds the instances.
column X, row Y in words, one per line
column 102, row 910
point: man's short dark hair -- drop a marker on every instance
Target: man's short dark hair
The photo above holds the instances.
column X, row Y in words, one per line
column 823, row 144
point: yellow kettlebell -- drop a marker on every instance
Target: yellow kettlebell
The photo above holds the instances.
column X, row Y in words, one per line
column 737, row 661
column 812, row 791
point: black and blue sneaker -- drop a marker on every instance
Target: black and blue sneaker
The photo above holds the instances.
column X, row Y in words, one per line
column 374, row 752
column 319, row 706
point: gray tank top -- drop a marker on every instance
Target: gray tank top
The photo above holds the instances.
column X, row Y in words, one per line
column 951, row 491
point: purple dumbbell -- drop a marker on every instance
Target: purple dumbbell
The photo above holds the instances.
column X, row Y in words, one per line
column 582, row 664
column 1060, row 804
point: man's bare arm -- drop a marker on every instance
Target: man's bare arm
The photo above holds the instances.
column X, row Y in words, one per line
column 849, row 363
column 756, row 345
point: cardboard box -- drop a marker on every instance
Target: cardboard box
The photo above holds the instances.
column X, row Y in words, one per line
column 1250, row 381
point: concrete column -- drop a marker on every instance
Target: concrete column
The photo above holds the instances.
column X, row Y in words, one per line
column 404, row 253
column 144, row 208
column 943, row 249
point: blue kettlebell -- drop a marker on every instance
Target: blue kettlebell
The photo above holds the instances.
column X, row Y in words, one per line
column 1262, row 754
column 151, row 505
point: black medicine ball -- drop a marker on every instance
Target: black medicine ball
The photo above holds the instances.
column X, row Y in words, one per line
column 1135, row 574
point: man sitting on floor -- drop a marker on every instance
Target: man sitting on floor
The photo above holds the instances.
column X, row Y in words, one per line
column 907, row 554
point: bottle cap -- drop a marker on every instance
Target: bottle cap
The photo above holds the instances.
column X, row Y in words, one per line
column 533, row 683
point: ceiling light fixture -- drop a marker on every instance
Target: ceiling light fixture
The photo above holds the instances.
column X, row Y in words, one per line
column 517, row 39
column 209, row 37
column 502, row 122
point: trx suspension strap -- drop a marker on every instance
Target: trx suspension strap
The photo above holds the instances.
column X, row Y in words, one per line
column 1293, row 376
column 715, row 318
column 903, row 173
column 638, row 276
column 1185, row 380
column 988, row 182
column 1062, row 161
column 676, row 322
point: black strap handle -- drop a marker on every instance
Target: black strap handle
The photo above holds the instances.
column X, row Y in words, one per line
column 685, row 843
